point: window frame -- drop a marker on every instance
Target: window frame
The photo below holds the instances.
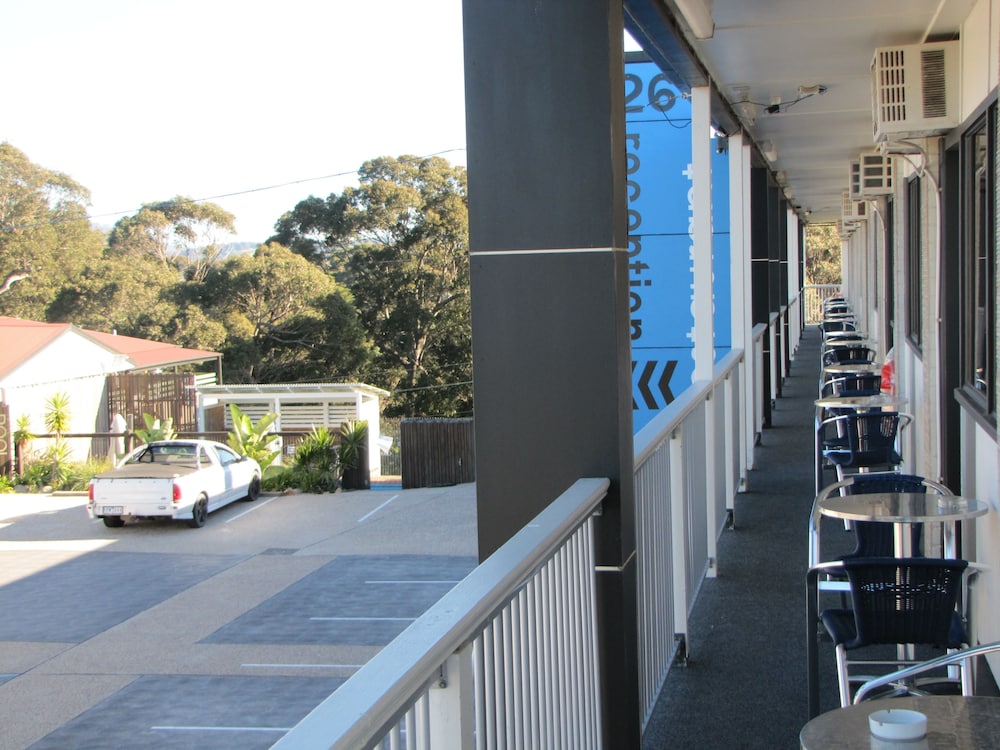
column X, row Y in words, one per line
column 912, row 238
column 978, row 238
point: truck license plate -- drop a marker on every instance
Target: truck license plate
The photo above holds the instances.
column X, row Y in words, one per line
column 111, row 510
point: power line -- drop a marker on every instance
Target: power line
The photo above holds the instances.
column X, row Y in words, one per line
column 91, row 217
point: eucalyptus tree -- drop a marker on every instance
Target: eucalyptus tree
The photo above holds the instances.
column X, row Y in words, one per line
column 399, row 241
column 181, row 231
column 286, row 319
column 45, row 236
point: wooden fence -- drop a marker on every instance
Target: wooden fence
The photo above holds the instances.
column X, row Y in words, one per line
column 437, row 452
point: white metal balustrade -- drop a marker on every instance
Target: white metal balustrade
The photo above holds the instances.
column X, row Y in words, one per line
column 509, row 657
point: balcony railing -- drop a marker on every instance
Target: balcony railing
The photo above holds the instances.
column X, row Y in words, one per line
column 509, row 657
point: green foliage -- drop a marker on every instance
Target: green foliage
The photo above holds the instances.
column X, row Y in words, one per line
column 44, row 233
column 156, row 429
column 179, row 230
column 57, row 413
column 6, row 484
column 399, row 241
column 822, row 254
column 253, row 440
column 53, row 470
column 286, row 319
column 375, row 287
column 57, row 458
column 22, row 439
column 316, row 467
column 353, row 435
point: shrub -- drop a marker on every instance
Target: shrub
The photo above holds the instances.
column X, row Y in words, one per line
column 317, row 462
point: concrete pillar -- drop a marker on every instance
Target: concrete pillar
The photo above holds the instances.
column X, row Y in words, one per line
column 549, row 271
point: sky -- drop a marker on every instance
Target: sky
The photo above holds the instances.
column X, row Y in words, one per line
column 143, row 100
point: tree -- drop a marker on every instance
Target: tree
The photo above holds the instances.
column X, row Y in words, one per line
column 180, row 230
column 286, row 319
column 45, row 237
column 822, row 254
column 399, row 241
column 128, row 295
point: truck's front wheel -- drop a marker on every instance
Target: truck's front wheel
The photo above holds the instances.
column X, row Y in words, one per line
column 113, row 522
column 253, row 491
column 199, row 513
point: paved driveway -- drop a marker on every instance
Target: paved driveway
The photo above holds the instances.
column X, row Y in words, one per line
column 159, row 635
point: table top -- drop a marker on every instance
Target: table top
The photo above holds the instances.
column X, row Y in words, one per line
column 843, row 339
column 953, row 722
column 843, row 369
column 881, row 401
column 901, row 507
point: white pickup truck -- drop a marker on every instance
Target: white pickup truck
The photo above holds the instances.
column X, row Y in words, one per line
column 181, row 479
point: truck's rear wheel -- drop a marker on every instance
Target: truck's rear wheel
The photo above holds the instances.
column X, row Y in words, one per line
column 253, row 491
column 113, row 522
column 199, row 513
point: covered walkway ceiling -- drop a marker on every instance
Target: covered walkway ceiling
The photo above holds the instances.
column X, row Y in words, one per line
column 765, row 50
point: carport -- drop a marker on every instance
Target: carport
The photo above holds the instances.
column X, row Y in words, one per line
column 299, row 406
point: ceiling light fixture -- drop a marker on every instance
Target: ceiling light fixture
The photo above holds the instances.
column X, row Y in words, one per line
column 698, row 15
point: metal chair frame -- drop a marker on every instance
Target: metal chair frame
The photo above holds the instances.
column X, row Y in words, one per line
column 903, row 682
column 897, row 601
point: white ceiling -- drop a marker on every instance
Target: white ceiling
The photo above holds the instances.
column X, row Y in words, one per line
column 769, row 48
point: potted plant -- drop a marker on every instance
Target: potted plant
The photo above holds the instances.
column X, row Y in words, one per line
column 354, row 455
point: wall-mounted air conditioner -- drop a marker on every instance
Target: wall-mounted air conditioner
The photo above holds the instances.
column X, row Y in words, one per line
column 875, row 176
column 854, row 180
column 853, row 211
column 915, row 90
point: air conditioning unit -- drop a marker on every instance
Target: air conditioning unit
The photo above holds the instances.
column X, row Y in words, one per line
column 875, row 176
column 854, row 180
column 915, row 90
column 853, row 211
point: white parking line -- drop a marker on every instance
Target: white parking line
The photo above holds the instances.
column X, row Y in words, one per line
column 363, row 619
column 256, row 506
column 219, row 729
column 301, row 666
column 406, row 583
column 372, row 513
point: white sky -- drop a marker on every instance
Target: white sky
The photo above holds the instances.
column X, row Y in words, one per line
column 142, row 100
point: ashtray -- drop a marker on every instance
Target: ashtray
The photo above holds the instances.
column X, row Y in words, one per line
column 897, row 724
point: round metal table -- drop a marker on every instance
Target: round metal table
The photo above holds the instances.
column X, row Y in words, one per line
column 953, row 722
column 903, row 508
column 842, row 369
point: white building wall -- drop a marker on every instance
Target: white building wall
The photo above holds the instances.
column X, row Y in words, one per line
column 980, row 455
column 71, row 365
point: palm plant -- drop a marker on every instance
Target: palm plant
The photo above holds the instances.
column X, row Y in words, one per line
column 156, row 429
column 252, row 440
column 317, row 462
column 22, row 437
column 58, row 454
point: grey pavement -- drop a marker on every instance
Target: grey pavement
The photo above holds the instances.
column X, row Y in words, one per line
column 164, row 636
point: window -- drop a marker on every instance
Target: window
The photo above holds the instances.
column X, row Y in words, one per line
column 890, row 273
column 913, row 275
column 978, row 175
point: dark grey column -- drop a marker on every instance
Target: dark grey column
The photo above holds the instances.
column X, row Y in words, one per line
column 548, row 237
column 760, row 274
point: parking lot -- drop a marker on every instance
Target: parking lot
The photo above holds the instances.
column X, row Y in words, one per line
column 164, row 636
